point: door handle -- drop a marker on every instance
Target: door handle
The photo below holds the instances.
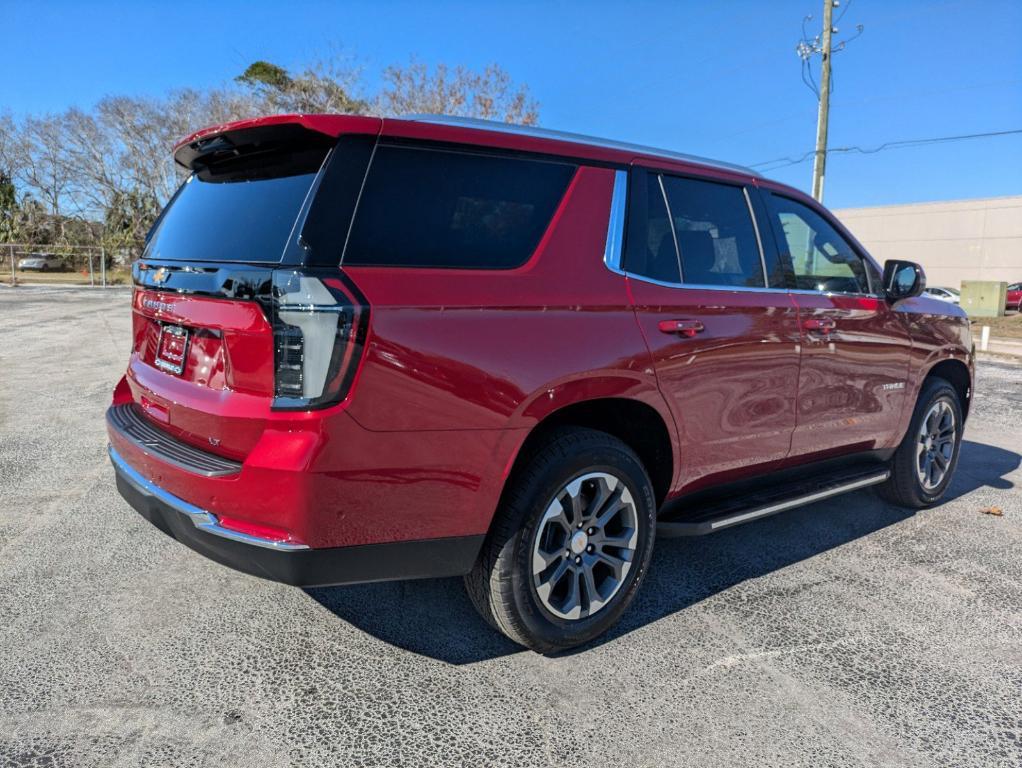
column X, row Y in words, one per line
column 687, row 328
column 822, row 325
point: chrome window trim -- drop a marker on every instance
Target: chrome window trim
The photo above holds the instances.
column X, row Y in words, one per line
column 699, row 286
column 734, row 288
column 201, row 519
column 809, row 292
column 738, row 288
column 613, row 251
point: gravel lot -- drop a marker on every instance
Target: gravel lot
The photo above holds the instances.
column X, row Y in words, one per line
column 845, row 633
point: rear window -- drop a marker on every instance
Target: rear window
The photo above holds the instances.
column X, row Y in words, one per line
column 438, row 208
column 243, row 211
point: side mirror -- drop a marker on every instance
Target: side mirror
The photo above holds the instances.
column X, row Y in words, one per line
column 903, row 280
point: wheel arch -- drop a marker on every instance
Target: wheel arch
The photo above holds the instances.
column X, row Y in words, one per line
column 638, row 424
column 957, row 374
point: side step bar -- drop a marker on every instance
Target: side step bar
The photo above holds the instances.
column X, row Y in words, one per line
column 757, row 506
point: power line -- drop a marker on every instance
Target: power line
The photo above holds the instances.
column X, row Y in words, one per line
column 900, row 97
column 843, row 12
column 784, row 162
column 807, row 78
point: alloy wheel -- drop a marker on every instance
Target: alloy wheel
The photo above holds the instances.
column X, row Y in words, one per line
column 936, row 445
column 585, row 545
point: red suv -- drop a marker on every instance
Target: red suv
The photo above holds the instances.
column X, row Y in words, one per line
column 371, row 349
column 1013, row 297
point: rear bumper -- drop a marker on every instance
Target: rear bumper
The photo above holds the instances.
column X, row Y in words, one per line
column 321, row 479
column 291, row 562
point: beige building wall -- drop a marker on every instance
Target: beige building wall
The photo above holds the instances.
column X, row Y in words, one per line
column 954, row 241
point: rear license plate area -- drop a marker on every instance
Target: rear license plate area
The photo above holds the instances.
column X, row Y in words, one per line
column 172, row 349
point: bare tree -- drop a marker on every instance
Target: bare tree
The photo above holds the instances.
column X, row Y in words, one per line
column 91, row 153
column 8, row 192
column 105, row 172
column 6, row 142
column 129, row 162
column 488, row 94
column 39, row 165
column 145, row 131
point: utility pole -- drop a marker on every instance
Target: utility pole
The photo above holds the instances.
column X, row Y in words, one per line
column 820, row 159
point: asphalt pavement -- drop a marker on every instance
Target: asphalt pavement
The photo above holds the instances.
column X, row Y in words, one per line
column 845, row 633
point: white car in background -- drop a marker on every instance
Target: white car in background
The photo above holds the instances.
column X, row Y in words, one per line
column 945, row 294
column 41, row 262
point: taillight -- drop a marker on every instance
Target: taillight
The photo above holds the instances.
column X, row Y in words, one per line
column 319, row 327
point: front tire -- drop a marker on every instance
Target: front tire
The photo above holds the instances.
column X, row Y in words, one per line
column 570, row 544
column 924, row 463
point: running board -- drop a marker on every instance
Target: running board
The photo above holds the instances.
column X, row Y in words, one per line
column 744, row 509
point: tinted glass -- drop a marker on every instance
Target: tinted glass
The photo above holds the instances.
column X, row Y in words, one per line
column 655, row 255
column 243, row 214
column 822, row 259
column 326, row 227
column 716, row 237
column 434, row 208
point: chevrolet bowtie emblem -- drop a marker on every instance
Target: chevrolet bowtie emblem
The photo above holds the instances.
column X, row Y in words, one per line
column 160, row 276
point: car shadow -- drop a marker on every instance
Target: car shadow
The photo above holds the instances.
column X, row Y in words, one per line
column 434, row 617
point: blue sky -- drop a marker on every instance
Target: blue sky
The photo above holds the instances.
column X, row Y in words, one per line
column 719, row 79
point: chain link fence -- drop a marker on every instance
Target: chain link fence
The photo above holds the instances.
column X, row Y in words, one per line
column 92, row 265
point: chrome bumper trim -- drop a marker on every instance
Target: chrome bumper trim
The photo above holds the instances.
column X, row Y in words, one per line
column 203, row 520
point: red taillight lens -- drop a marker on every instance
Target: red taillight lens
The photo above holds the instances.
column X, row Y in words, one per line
column 319, row 327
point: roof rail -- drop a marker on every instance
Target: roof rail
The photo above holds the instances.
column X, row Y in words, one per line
column 577, row 138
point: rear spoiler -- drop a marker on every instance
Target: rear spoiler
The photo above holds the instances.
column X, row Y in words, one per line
column 266, row 134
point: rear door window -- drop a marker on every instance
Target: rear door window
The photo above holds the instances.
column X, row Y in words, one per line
column 655, row 254
column 715, row 233
column 424, row 207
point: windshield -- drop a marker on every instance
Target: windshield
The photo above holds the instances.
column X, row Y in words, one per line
column 245, row 213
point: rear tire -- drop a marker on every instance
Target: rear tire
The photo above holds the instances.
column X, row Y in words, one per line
column 924, row 463
column 570, row 543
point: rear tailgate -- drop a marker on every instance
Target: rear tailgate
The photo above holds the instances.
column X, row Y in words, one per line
column 239, row 306
column 221, row 398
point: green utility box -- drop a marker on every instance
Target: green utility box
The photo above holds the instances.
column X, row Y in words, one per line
column 983, row 298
